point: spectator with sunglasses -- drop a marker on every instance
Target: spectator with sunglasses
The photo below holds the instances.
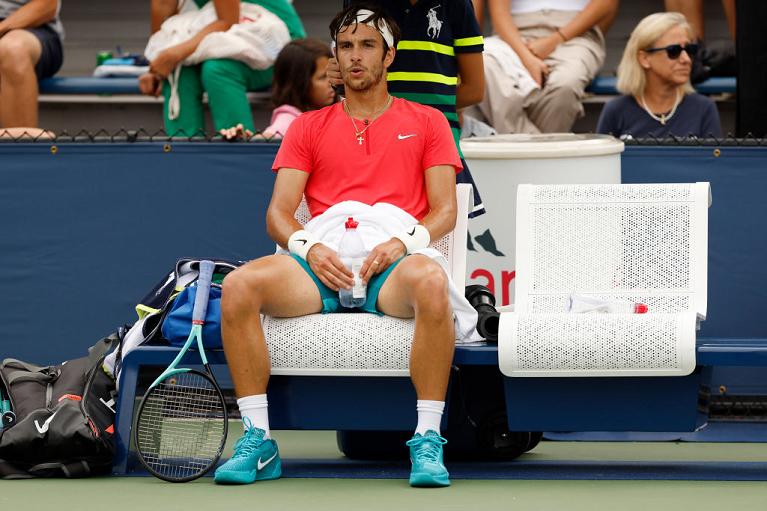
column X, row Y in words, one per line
column 654, row 76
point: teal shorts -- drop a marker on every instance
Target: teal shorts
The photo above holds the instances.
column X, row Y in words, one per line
column 330, row 302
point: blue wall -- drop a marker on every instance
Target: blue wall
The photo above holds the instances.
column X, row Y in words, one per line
column 85, row 232
column 737, row 244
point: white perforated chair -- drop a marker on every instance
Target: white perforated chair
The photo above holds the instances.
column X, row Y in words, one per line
column 358, row 344
column 642, row 243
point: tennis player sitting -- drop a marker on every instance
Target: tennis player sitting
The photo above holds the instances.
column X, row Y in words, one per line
column 390, row 164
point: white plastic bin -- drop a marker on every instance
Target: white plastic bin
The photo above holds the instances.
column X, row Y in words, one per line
column 498, row 164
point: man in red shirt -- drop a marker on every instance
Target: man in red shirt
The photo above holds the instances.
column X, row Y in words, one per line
column 382, row 153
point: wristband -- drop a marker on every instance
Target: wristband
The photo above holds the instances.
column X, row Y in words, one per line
column 300, row 242
column 414, row 238
column 562, row 35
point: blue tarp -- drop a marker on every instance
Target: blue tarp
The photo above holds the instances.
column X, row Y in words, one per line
column 87, row 231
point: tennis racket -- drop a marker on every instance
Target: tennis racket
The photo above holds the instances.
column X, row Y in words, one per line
column 8, row 417
column 182, row 423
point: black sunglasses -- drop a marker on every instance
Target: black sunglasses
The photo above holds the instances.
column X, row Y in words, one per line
column 674, row 50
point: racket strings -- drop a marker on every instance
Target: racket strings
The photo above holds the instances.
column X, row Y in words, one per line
column 181, row 427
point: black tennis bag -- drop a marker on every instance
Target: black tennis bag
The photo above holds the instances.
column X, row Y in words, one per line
column 60, row 420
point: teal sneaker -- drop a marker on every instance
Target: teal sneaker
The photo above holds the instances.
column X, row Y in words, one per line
column 254, row 459
column 426, row 456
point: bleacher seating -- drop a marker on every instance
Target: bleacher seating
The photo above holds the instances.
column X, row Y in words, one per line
column 111, row 106
column 88, row 85
column 114, row 104
column 602, row 85
column 605, row 85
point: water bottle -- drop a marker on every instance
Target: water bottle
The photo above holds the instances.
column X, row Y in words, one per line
column 352, row 254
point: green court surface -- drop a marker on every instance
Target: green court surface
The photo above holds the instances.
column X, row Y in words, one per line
column 136, row 493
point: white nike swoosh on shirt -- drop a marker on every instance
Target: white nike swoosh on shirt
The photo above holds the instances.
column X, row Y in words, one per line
column 262, row 465
column 403, row 137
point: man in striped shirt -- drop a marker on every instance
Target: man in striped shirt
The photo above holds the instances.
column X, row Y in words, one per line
column 438, row 61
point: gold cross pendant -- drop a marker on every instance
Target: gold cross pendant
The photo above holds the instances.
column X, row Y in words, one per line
column 360, row 139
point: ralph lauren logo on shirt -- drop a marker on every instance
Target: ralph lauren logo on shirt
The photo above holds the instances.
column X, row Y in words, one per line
column 435, row 24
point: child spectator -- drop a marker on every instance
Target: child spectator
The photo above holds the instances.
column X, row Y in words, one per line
column 300, row 84
column 654, row 76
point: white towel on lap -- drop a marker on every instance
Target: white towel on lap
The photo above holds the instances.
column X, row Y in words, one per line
column 377, row 224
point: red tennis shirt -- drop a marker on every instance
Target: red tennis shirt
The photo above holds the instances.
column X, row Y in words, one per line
column 388, row 166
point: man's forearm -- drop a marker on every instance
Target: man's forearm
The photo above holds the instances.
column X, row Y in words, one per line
column 189, row 46
column 31, row 15
column 160, row 11
column 228, row 13
column 280, row 225
column 468, row 96
column 471, row 85
column 439, row 222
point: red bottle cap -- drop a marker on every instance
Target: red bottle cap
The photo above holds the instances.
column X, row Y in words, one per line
column 640, row 308
column 351, row 224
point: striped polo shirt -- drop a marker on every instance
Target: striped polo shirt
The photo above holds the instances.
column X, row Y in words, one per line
column 425, row 69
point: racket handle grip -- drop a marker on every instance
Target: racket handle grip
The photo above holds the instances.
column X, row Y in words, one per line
column 203, row 291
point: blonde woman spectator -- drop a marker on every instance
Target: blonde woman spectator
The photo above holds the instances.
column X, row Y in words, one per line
column 654, row 76
column 544, row 55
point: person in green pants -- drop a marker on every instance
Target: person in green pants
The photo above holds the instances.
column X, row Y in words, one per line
column 226, row 81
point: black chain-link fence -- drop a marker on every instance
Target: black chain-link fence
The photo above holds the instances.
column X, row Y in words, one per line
column 17, row 135
column 730, row 140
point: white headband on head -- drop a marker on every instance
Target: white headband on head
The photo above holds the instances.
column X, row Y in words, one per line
column 382, row 27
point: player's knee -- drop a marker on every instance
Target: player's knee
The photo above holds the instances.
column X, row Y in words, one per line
column 431, row 290
column 15, row 55
column 240, row 292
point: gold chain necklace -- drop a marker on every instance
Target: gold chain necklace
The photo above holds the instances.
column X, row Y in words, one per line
column 359, row 133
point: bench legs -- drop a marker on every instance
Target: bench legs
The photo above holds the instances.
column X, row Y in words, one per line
column 124, row 418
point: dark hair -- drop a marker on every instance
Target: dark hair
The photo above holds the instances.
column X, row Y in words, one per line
column 349, row 17
column 293, row 70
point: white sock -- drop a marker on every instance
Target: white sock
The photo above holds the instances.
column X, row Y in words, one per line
column 256, row 410
column 429, row 415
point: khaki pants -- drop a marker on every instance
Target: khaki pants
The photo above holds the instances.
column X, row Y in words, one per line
column 555, row 107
